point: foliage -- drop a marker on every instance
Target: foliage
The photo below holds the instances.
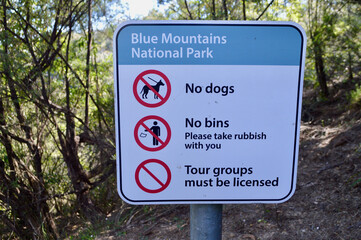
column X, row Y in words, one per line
column 56, row 97
column 56, row 123
column 333, row 29
column 334, row 34
column 355, row 96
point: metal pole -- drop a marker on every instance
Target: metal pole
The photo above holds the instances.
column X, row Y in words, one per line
column 206, row 221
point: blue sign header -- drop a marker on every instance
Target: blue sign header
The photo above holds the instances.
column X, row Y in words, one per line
column 208, row 44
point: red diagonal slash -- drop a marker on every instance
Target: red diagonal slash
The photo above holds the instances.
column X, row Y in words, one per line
column 151, row 88
column 160, row 166
column 166, row 130
column 151, row 132
column 153, row 176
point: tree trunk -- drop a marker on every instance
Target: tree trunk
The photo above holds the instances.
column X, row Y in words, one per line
column 87, row 83
column 244, row 10
column 225, row 9
column 69, row 150
column 214, row 10
column 350, row 73
column 320, row 69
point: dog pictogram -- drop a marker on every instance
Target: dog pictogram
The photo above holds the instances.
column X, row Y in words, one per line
column 156, row 87
column 151, row 81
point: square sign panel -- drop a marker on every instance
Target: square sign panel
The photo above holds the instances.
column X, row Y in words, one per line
column 207, row 112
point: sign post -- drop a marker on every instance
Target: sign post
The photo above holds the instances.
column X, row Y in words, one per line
column 207, row 112
column 206, row 222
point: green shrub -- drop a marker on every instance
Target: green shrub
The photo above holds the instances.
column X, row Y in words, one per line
column 355, row 96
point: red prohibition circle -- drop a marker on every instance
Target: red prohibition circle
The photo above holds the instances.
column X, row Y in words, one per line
column 162, row 143
column 140, row 78
column 153, row 175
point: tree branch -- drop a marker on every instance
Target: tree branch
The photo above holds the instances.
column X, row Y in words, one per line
column 189, row 12
column 264, row 10
column 244, row 10
column 225, row 9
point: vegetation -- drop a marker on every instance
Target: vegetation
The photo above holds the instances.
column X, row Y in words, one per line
column 57, row 142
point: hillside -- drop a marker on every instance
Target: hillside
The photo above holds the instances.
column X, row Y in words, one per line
column 326, row 204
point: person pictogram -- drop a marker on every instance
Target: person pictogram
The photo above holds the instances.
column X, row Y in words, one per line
column 159, row 133
column 156, row 130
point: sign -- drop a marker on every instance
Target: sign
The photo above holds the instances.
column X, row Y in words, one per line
column 159, row 133
column 152, row 176
column 142, row 87
column 207, row 111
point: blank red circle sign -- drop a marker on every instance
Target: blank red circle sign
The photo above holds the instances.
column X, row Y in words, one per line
column 155, row 171
column 151, row 82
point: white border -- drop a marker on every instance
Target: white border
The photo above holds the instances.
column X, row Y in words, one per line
column 208, row 22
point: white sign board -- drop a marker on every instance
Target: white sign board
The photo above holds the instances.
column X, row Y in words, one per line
column 207, row 112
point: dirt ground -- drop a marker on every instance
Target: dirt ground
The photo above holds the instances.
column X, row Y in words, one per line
column 326, row 204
